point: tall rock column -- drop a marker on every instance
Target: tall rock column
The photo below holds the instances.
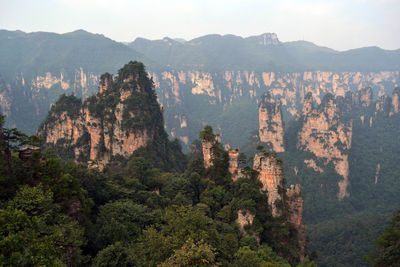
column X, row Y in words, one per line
column 396, row 101
column 270, row 122
column 234, row 164
column 363, row 97
column 208, row 141
column 271, row 176
column 295, row 203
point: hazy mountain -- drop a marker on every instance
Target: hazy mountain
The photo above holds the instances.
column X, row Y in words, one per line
column 39, row 52
column 264, row 52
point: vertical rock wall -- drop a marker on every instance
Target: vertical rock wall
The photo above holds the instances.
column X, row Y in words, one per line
column 271, row 123
column 271, row 176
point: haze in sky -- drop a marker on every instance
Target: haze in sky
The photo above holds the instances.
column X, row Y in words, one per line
column 338, row 24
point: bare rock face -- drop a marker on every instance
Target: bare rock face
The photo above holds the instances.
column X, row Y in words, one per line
column 121, row 118
column 328, row 137
column 245, row 217
column 271, row 122
column 295, row 203
column 271, row 176
column 363, row 97
column 383, row 104
column 208, row 151
column 234, row 168
column 225, row 87
column 105, row 84
column 396, row 100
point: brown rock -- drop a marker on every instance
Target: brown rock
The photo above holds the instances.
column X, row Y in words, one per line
column 245, row 217
column 234, row 164
column 99, row 135
column 208, row 152
column 105, row 82
column 271, row 176
column 295, row 204
column 271, row 122
column 363, row 97
column 329, row 138
column 396, row 100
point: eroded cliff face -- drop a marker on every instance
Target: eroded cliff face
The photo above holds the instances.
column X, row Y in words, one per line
column 234, row 167
column 118, row 120
column 271, row 123
column 396, row 101
column 223, row 89
column 271, row 176
column 26, row 99
column 328, row 136
column 363, row 97
column 208, row 152
column 296, row 205
column 245, row 218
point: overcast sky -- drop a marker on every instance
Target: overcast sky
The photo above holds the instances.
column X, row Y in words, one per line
column 338, row 24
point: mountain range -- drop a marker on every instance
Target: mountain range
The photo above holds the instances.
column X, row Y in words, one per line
column 331, row 115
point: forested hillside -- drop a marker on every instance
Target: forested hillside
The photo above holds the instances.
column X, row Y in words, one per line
column 58, row 213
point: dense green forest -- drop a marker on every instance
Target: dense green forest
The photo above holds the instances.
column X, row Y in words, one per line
column 59, row 213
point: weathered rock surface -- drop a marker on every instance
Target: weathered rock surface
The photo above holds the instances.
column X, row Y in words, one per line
column 245, row 217
column 234, row 164
column 363, row 97
column 228, row 87
column 326, row 135
column 396, row 101
column 271, row 123
column 208, row 152
column 295, row 203
column 271, row 176
column 118, row 120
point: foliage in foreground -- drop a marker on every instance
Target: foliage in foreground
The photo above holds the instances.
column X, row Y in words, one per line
column 58, row 213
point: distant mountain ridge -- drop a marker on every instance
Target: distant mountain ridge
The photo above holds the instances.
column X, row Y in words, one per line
column 263, row 52
column 39, row 52
column 35, row 68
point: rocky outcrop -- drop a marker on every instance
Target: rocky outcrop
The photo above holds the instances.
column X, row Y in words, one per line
column 208, row 151
column 223, row 89
column 383, row 104
column 396, row 101
column 245, row 218
column 363, row 97
column 271, row 176
column 271, row 123
column 310, row 163
column 295, row 204
column 118, row 120
column 327, row 136
column 234, row 168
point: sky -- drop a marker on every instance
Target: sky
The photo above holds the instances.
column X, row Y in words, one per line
column 338, row 24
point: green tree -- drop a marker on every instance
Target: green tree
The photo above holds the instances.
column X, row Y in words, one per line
column 158, row 242
column 263, row 256
column 388, row 245
column 192, row 254
column 115, row 255
column 121, row 220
